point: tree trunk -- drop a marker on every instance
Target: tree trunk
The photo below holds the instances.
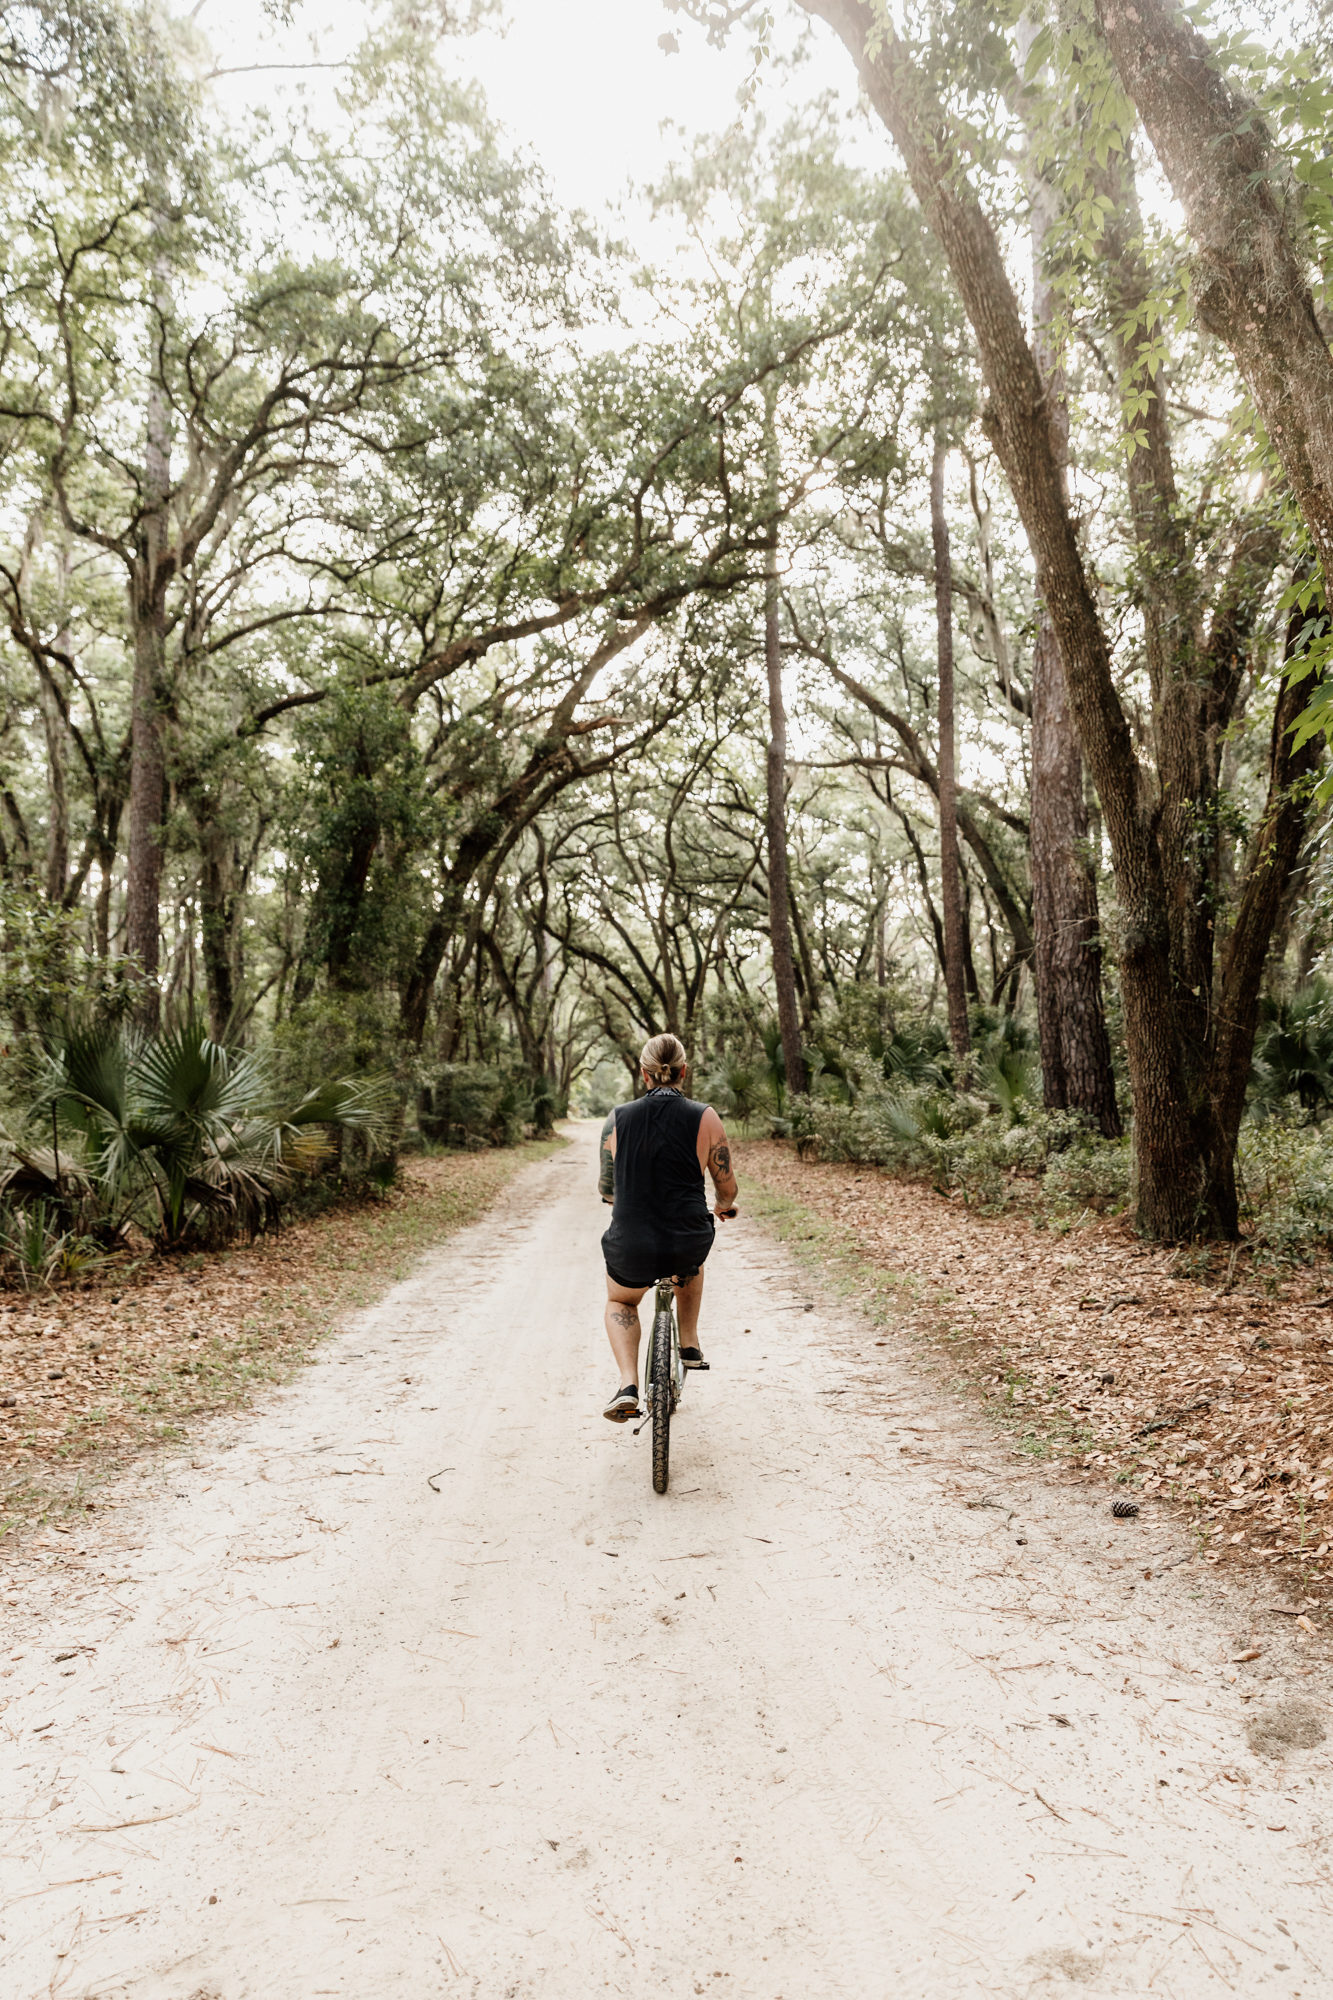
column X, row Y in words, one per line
column 57, row 811
column 951, row 882
column 1076, row 1072
column 219, row 914
column 1269, row 866
column 805, row 964
column 106, row 875
column 147, row 804
column 971, row 984
column 923, row 877
column 779, row 920
column 414, row 1006
column 148, row 771
column 1250, row 284
column 344, row 899
column 1076, row 1067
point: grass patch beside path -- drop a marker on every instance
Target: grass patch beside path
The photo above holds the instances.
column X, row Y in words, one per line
column 92, row 1377
column 1118, row 1362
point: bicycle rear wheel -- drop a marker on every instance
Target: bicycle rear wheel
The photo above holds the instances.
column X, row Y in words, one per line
column 660, row 1395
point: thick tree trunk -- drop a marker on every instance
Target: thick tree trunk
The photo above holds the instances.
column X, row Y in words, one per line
column 1250, row 285
column 147, row 805
column 1066, row 962
column 951, row 882
column 1076, row 1070
column 344, row 899
column 57, row 807
column 779, row 919
column 414, row 1006
column 219, row 921
column 148, row 770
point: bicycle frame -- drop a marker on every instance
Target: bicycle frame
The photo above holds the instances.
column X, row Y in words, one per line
column 666, row 1302
column 663, row 1395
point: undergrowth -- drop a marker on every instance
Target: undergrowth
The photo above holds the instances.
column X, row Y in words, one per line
column 1000, row 1158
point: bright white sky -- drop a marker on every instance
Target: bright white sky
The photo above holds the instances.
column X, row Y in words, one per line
column 583, row 84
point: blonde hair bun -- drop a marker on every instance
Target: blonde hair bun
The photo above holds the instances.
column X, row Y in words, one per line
column 663, row 1060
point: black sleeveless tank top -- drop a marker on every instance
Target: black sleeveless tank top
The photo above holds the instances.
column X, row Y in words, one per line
column 660, row 1222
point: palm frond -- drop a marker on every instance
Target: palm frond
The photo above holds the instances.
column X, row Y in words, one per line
column 365, row 1104
column 1009, row 1078
column 177, row 1125
column 181, row 1077
column 87, row 1074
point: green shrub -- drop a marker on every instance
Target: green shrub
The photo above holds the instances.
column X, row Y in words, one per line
column 47, row 971
column 1011, row 1081
column 1090, row 1173
column 916, row 1053
column 549, row 1103
column 475, row 1104
column 989, row 1159
column 873, row 1031
column 1285, row 1172
column 904, row 1130
column 966, row 1146
column 39, row 1248
column 338, row 1034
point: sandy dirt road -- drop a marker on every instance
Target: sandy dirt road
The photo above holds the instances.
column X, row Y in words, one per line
column 816, row 1724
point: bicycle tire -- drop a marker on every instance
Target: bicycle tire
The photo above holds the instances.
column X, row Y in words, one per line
column 659, row 1391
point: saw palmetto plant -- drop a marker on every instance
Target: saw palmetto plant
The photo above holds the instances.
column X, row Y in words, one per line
column 172, row 1129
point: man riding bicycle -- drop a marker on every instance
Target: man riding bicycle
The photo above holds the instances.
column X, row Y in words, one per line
column 655, row 1152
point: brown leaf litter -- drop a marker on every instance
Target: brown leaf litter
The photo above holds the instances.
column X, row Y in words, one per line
column 1215, row 1394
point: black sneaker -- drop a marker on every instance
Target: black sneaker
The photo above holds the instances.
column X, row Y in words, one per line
column 623, row 1405
column 692, row 1357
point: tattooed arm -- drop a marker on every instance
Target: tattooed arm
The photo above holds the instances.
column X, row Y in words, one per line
column 715, row 1159
column 606, row 1171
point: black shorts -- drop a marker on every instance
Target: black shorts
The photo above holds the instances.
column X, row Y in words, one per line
column 634, row 1284
column 681, row 1259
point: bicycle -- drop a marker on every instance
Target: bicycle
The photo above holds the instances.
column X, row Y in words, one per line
column 666, row 1379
